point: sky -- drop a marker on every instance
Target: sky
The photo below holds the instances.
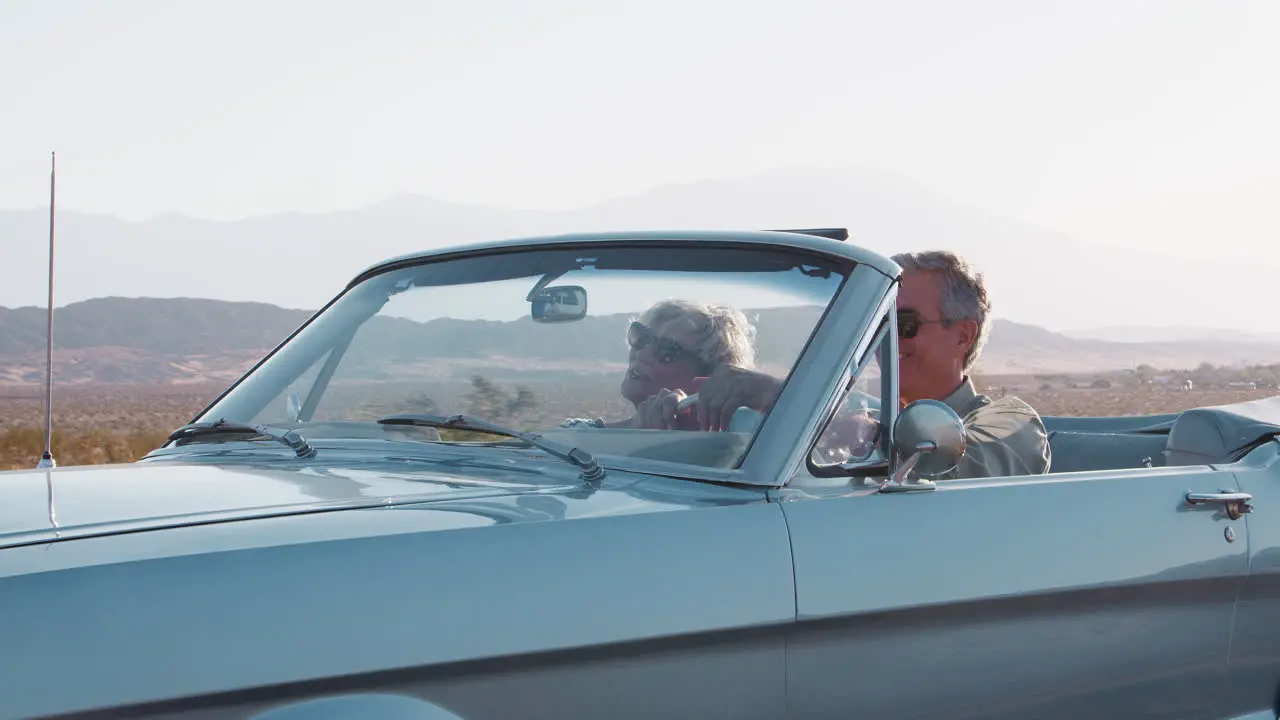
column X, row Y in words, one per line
column 1148, row 125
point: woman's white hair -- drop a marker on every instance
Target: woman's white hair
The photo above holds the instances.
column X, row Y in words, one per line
column 964, row 292
column 725, row 335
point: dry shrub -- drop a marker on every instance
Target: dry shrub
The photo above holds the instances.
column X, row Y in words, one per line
column 21, row 447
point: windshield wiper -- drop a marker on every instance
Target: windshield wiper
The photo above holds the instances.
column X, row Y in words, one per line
column 591, row 470
column 299, row 444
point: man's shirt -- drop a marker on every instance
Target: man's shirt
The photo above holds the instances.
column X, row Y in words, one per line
column 1003, row 437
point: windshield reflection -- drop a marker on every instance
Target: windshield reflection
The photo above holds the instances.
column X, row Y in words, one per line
column 498, row 337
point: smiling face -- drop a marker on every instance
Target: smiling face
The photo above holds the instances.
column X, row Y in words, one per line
column 930, row 363
column 661, row 357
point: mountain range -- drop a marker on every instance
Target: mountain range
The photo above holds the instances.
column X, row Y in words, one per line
column 1173, row 334
column 189, row 340
column 296, row 260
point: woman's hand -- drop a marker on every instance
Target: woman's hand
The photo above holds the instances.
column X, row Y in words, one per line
column 659, row 411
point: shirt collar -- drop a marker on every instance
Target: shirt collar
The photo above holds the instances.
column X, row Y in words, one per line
column 962, row 398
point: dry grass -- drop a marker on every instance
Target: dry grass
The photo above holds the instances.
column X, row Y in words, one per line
column 105, row 424
column 94, row 424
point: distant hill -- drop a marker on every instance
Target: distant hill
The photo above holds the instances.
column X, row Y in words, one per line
column 1017, row 348
column 179, row 326
column 188, row 340
column 1128, row 334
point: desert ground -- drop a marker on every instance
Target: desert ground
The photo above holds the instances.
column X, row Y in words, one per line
column 97, row 424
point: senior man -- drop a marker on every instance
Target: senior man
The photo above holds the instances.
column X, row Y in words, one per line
column 944, row 318
column 943, row 324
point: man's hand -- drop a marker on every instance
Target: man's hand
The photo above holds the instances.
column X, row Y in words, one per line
column 850, row 436
column 730, row 387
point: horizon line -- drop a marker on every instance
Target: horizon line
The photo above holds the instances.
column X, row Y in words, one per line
column 1078, row 333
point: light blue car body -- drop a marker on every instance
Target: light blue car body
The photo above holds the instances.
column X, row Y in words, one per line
column 402, row 580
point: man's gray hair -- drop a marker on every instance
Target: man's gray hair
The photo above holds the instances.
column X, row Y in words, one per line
column 725, row 336
column 964, row 293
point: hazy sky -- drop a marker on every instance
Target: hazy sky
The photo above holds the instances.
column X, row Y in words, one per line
column 1149, row 124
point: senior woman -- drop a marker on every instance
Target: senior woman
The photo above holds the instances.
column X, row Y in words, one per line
column 674, row 345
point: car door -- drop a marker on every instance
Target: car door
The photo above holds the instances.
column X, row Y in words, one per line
column 1255, row 647
column 1088, row 594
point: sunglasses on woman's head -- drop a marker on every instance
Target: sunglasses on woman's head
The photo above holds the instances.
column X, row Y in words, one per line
column 639, row 336
column 909, row 322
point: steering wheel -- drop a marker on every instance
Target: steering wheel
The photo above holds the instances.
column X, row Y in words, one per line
column 687, row 402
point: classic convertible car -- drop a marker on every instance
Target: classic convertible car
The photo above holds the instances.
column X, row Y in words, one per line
column 427, row 502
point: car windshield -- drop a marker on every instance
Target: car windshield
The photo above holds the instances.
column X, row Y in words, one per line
column 560, row 341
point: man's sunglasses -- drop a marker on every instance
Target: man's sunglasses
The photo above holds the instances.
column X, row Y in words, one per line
column 639, row 336
column 909, row 322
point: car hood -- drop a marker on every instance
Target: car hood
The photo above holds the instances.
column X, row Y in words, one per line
column 62, row 503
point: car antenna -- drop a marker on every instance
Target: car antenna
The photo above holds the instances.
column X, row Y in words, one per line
column 46, row 460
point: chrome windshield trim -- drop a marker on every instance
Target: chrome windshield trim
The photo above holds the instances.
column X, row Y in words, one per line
column 844, row 251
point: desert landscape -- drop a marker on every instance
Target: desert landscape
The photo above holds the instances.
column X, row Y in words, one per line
column 97, row 423
column 129, row 370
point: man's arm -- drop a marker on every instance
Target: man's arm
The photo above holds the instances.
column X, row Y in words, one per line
column 1004, row 438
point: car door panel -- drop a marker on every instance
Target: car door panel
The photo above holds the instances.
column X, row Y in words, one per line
column 1255, row 648
column 1089, row 594
column 675, row 607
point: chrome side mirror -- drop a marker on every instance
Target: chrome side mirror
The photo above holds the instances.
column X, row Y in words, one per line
column 929, row 438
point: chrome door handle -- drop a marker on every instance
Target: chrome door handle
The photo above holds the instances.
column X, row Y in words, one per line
column 1226, row 496
column 1237, row 503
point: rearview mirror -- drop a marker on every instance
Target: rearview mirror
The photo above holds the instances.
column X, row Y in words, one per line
column 929, row 438
column 565, row 303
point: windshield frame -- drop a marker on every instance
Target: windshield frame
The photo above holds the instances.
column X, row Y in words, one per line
column 768, row 453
